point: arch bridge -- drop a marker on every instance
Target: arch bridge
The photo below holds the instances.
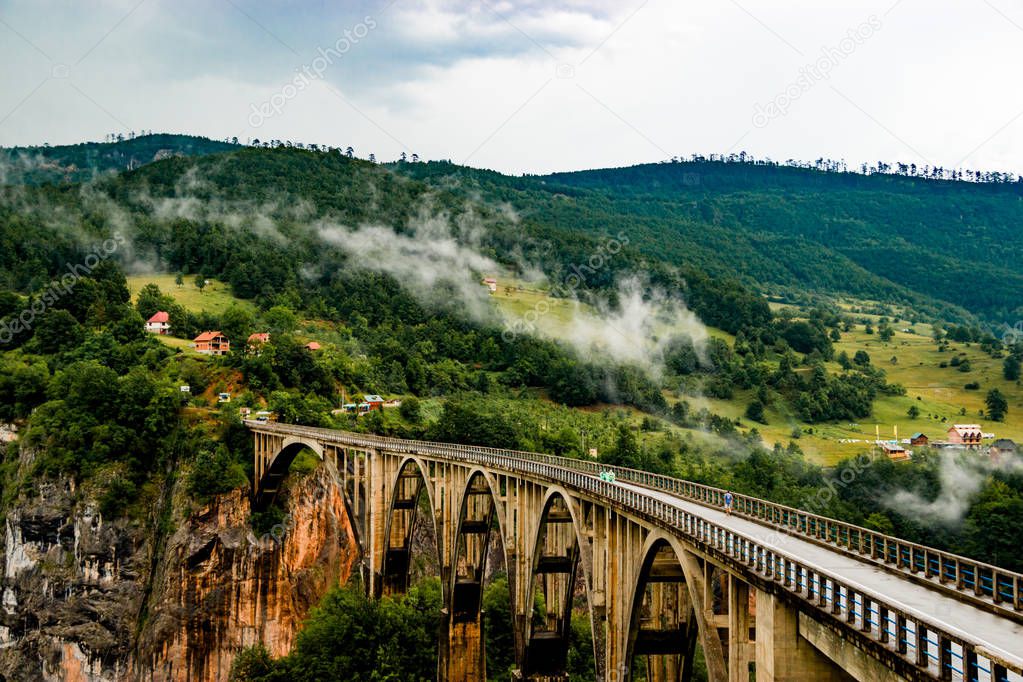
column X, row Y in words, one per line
column 767, row 590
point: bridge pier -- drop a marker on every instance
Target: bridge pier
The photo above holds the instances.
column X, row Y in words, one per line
column 740, row 649
column 782, row 655
column 462, row 657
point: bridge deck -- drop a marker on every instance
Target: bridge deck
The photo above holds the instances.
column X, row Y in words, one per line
column 973, row 624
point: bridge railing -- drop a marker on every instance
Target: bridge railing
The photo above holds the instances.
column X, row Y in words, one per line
column 912, row 636
column 974, row 579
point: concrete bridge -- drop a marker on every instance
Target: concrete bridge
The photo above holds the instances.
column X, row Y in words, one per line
column 771, row 589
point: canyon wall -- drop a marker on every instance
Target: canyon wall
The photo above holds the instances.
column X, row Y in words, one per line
column 91, row 600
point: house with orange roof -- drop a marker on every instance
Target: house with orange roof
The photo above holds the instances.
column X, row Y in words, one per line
column 211, row 343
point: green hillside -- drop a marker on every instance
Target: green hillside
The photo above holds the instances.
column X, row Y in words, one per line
column 952, row 249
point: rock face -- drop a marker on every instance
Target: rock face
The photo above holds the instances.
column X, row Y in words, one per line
column 82, row 599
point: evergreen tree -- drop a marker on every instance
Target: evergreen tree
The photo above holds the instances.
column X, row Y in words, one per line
column 755, row 411
column 997, row 405
column 1011, row 368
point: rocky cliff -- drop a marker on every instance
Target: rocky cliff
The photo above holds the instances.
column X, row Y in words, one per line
column 83, row 598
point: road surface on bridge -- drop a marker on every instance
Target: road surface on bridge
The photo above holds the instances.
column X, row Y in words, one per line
column 998, row 634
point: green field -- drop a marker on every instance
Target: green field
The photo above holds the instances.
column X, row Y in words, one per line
column 214, row 299
column 184, row 345
column 937, row 392
column 520, row 301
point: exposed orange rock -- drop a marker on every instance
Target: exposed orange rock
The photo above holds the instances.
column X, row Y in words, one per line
column 220, row 588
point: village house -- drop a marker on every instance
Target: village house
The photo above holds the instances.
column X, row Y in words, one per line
column 255, row 342
column 211, row 343
column 1002, row 449
column 158, row 323
column 919, row 439
column 491, row 283
column 312, row 346
column 895, row 451
column 259, row 338
column 964, row 434
column 373, row 401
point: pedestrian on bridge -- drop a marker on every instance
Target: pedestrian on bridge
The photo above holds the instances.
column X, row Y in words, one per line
column 728, row 502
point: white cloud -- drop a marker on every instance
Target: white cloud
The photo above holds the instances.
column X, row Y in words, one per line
column 450, row 78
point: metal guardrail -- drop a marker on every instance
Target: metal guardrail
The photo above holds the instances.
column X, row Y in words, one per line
column 931, row 649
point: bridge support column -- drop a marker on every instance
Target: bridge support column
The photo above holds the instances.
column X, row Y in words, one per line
column 377, row 499
column 782, row 655
column 624, row 542
column 740, row 649
column 463, row 660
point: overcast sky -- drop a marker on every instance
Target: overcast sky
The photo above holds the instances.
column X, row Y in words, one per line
column 530, row 86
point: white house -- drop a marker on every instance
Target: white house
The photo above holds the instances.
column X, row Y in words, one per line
column 158, row 323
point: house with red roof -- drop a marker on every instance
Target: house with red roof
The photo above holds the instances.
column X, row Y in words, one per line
column 312, row 345
column 212, row 343
column 158, row 323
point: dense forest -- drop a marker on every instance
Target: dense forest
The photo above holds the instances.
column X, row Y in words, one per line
column 950, row 249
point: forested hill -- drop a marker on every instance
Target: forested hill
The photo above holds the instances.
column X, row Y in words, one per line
column 945, row 247
column 79, row 162
column 950, row 250
column 263, row 213
column 869, row 235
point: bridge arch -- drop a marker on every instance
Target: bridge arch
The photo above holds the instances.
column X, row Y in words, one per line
column 411, row 483
column 480, row 514
column 560, row 551
column 665, row 610
column 276, row 470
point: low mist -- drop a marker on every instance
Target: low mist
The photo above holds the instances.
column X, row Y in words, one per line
column 961, row 476
column 430, row 260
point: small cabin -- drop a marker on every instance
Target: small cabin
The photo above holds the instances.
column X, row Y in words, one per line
column 895, row 451
column 312, row 346
column 491, row 283
column 1002, row 449
column 159, row 323
column 919, row 439
column 374, row 402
